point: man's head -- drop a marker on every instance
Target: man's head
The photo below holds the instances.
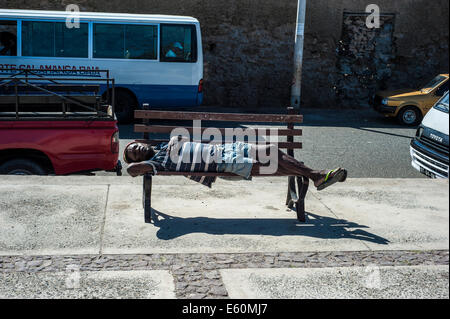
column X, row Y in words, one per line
column 136, row 152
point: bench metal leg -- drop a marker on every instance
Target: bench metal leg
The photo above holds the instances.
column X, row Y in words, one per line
column 295, row 198
column 303, row 184
column 292, row 193
column 147, row 198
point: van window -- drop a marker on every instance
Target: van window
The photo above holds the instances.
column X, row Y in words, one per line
column 54, row 39
column 178, row 43
column 8, row 38
column 118, row 41
column 442, row 105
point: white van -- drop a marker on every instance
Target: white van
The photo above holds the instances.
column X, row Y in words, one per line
column 430, row 147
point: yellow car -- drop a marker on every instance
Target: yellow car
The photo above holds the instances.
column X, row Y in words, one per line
column 410, row 106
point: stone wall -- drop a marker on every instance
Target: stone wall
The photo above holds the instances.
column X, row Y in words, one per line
column 248, row 46
column 364, row 58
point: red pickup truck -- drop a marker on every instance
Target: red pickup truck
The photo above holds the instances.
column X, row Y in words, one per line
column 60, row 147
column 49, row 127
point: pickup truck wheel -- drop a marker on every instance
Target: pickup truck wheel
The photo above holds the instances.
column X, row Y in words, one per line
column 409, row 116
column 125, row 103
column 21, row 167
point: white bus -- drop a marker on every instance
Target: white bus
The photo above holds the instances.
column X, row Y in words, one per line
column 154, row 59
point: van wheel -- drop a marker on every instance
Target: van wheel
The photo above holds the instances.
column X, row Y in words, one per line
column 410, row 115
column 124, row 108
column 22, row 167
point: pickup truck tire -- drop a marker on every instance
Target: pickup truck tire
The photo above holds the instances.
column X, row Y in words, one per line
column 410, row 116
column 125, row 103
column 21, row 167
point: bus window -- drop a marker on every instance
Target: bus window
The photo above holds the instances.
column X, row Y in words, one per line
column 54, row 39
column 118, row 41
column 178, row 43
column 8, row 38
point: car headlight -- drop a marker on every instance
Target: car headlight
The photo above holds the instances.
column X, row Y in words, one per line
column 385, row 101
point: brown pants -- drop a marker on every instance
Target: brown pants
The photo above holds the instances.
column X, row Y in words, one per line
column 287, row 165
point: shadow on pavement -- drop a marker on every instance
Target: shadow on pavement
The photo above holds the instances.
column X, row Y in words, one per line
column 316, row 226
column 385, row 133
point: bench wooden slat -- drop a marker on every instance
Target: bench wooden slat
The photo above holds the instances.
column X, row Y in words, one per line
column 230, row 117
column 163, row 173
column 140, row 128
column 284, row 145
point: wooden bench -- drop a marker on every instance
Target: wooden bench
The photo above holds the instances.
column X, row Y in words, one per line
column 297, row 185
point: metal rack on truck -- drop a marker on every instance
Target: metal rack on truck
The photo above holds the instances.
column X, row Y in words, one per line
column 30, row 92
column 52, row 124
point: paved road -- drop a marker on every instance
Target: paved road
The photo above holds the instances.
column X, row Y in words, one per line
column 364, row 142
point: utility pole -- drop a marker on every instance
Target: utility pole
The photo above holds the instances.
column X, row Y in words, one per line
column 298, row 55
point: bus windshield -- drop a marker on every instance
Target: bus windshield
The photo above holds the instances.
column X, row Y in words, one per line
column 8, row 38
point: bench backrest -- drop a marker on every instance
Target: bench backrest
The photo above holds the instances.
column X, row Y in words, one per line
column 291, row 119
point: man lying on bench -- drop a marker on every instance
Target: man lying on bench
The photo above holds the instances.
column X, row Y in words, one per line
column 242, row 159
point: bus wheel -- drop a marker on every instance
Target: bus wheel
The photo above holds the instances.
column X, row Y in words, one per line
column 21, row 167
column 125, row 104
column 410, row 116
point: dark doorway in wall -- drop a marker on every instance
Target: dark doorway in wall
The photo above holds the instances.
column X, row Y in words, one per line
column 364, row 58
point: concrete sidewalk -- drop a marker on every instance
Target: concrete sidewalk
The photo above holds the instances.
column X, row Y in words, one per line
column 92, row 217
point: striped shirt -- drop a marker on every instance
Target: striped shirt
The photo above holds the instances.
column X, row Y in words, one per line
column 179, row 155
